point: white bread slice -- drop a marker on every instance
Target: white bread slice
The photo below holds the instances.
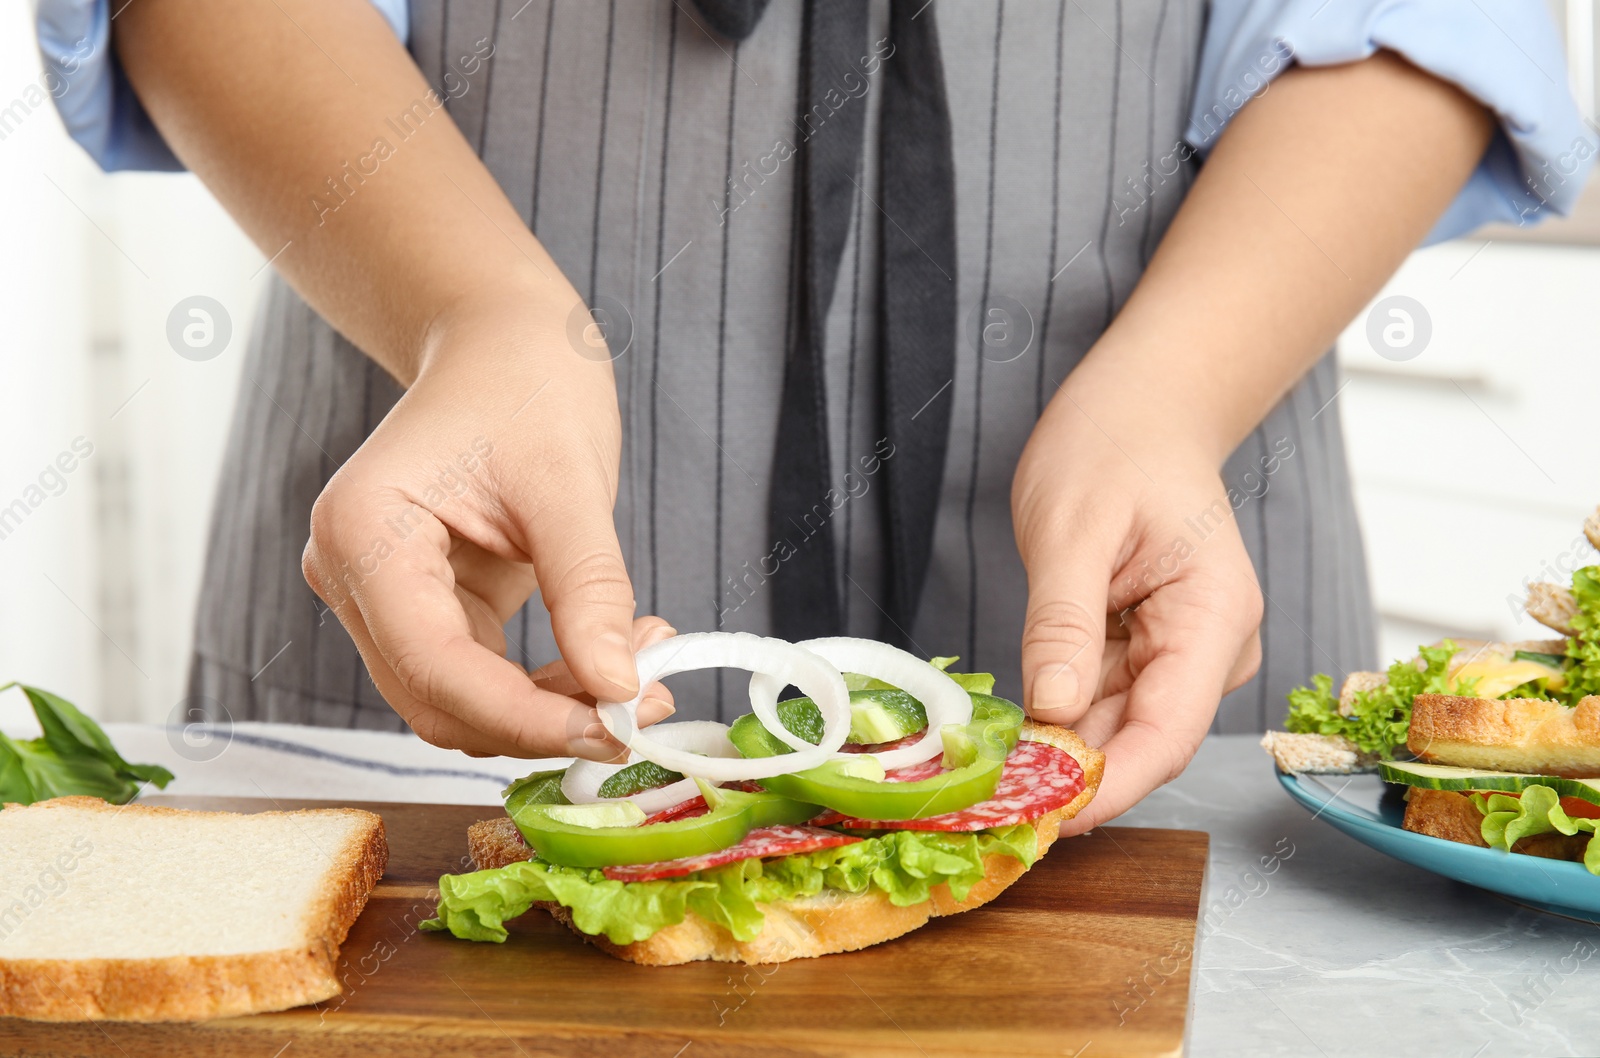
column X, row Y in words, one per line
column 1302, row 753
column 142, row 913
column 829, row 922
column 1552, row 606
column 1358, row 683
column 1515, row 734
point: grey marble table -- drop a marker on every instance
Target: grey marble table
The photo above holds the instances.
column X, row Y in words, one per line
column 1329, row 949
column 1332, row 948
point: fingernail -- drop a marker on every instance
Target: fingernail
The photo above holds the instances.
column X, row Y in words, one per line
column 1054, row 688
column 654, row 710
column 613, row 660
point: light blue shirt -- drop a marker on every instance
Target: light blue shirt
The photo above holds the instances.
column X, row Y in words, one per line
column 1504, row 53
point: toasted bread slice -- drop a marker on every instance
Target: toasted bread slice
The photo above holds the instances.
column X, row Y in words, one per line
column 1453, row 817
column 829, row 922
column 140, row 913
column 1516, row 734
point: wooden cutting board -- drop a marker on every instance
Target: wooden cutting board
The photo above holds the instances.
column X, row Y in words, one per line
column 1089, row 954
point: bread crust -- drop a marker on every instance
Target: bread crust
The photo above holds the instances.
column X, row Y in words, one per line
column 1452, row 816
column 1517, row 734
column 823, row 924
column 186, row 988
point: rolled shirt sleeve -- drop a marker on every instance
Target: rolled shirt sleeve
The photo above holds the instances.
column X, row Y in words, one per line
column 1504, row 53
column 92, row 94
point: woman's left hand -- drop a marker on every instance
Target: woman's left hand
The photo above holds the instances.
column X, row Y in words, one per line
column 1143, row 607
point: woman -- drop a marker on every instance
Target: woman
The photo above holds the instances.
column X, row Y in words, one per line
column 875, row 290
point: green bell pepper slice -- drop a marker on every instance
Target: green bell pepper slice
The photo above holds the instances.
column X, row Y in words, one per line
column 734, row 813
column 995, row 727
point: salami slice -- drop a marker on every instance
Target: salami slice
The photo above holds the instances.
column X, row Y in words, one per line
column 911, row 772
column 694, row 806
column 760, row 843
column 1037, row 779
column 916, row 772
column 882, row 747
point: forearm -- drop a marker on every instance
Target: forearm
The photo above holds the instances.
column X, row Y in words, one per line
column 311, row 124
column 1310, row 201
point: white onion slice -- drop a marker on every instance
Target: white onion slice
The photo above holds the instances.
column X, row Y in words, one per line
column 583, row 780
column 944, row 700
column 784, row 662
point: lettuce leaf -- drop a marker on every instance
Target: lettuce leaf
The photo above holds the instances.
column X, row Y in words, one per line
column 476, row 906
column 1583, row 678
column 1379, row 718
column 903, row 864
column 1507, row 820
column 72, row 756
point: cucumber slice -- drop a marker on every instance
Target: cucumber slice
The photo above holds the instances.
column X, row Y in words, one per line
column 608, row 814
column 884, row 716
column 875, row 716
column 1444, row 777
column 1554, row 661
column 540, row 788
column 637, row 778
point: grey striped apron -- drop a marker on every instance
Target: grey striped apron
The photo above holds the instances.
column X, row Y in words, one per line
column 648, row 156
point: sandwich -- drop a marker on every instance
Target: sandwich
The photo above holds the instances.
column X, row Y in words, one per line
column 1495, row 744
column 1520, row 774
column 889, row 793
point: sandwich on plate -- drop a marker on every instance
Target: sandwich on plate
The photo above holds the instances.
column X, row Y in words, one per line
column 1496, row 744
column 891, row 793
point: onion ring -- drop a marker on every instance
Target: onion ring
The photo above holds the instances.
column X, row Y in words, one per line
column 774, row 658
column 583, row 780
column 944, row 700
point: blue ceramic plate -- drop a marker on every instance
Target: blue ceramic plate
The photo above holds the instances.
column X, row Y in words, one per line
column 1370, row 810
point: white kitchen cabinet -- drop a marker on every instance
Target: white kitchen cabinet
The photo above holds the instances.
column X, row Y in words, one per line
column 1475, row 461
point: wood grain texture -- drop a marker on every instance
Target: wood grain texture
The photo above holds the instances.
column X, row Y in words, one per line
column 1088, row 953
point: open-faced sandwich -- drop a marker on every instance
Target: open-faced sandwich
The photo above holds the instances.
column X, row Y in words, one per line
column 892, row 793
column 1498, row 744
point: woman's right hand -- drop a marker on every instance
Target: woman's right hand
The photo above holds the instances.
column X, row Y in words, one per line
column 492, row 478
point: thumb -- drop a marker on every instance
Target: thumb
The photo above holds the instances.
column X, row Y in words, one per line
column 1064, row 632
column 586, row 588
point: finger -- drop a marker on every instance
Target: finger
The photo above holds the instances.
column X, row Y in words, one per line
column 1064, row 631
column 647, row 631
column 440, row 729
column 485, row 624
column 1116, row 676
column 1101, row 720
column 587, row 591
column 1198, row 630
column 420, row 648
